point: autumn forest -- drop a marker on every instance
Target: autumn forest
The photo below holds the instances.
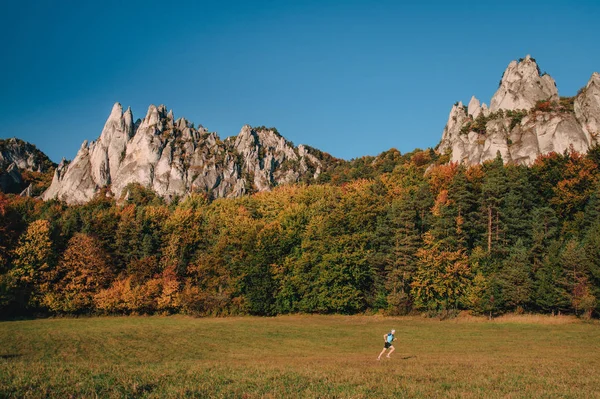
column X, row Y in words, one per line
column 395, row 234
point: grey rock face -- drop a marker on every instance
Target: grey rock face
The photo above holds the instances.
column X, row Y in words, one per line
column 587, row 108
column 174, row 158
column 522, row 86
column 17, row 156
column 24, row 155
column 515, row 128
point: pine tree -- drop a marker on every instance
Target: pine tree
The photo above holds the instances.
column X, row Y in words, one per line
column 517, row 206
column 402, row 261
column 492, row 198
column 516, row 279
column 550, row 294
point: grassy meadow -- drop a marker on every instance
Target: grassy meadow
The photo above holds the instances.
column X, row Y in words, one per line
column 298, row 356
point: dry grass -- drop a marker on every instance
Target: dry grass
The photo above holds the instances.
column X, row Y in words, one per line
column 299, row 356
column 521, row 319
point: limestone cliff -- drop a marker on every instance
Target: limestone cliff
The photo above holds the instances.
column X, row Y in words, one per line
column 526, row 118
column 174, row 158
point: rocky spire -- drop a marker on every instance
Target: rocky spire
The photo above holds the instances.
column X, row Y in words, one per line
column 587, row 108
column 522, row 138
column 173, row 158
column 457, row 118
column 522, row 86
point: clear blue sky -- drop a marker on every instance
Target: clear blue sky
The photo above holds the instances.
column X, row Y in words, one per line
column 351, row 78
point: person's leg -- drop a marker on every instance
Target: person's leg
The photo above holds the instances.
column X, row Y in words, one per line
column 391, row 350
column 382, row 352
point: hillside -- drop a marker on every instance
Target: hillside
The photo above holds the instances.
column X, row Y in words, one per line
column 23, row 168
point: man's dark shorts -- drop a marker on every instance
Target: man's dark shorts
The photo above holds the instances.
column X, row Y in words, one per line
column 387, row 345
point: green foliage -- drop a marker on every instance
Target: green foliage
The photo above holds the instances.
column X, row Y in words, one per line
column 442, row 279
column 478, row 125
column 516, row 116
column 516, row 283
column 33, row 260
column 395, row 233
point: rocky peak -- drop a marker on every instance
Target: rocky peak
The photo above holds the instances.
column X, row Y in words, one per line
column 587, row 107
column 526, row 119
column 522, row 86
column 17, row 156
column 174, row 158
column 24, row 155
column 457, row 118
column 475, row 109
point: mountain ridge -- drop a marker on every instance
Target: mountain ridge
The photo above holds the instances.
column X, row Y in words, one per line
column 526, row 118
column 174, row 158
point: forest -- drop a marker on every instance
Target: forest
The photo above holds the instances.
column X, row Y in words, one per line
column 394, row 234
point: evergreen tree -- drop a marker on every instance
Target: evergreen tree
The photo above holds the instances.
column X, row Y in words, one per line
column 544, row 231
column 516, row 279
column 493, row 192
column 550, row 293
column 403, row 261
column 517, row 206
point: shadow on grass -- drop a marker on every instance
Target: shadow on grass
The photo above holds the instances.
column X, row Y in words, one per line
column 10, row 356
column 407, row 357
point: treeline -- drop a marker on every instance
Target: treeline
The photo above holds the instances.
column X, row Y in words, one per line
column 417, row 235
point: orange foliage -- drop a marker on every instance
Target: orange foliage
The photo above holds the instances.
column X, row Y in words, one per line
column 440, row 201
column 82, row 271
column 440, row 176
column 125, row 295
column 475, row 173
column 573, row 191
column 421, row 158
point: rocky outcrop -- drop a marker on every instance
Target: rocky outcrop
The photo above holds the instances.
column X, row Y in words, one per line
column 523, row 85
column 587, row 108
column 11, row 179
column 174, row 158
column 24, row 155
column 526, row 118
column 17, row 156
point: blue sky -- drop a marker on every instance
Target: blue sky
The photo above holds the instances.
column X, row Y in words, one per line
column 351, row 78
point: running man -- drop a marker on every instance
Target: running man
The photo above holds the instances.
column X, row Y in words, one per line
column 387, row 339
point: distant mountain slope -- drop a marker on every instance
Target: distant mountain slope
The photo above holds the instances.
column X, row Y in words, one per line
column 174, row 158
column 526, row 118
column 23, row 166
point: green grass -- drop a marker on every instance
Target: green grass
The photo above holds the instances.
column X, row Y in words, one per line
column 298, row 356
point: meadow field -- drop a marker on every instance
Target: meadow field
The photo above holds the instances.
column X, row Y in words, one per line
column 299, row 356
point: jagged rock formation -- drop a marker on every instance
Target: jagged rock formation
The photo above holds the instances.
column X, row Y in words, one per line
column 526, row 118
column 587, row 107
column 522, row 85
column 174, row 158
column 24, row 155
column 17, row 156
